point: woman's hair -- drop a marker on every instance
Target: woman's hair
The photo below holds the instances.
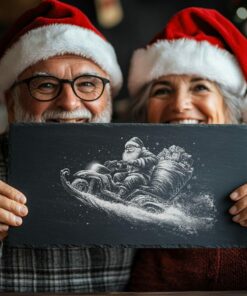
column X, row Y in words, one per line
column 139, row 105
column 233, row 103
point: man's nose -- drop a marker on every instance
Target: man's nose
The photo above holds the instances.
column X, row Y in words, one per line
column 181, row 101
column 67, row 99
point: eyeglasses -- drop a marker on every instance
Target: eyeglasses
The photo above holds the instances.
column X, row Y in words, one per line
column 47, row 88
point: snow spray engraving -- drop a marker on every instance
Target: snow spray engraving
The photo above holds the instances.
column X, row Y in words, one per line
column 145, row 188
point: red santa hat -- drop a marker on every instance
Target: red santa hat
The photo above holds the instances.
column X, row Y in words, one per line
column 54, row 28
column 196, row 41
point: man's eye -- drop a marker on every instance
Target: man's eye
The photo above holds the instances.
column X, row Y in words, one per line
column 85, row 84
column 46, row 86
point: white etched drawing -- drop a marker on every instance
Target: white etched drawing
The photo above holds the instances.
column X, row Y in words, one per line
column 144, row 187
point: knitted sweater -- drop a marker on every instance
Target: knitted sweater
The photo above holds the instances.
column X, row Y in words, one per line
column 190, row 269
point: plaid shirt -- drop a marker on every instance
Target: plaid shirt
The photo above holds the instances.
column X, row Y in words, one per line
column 66, row 269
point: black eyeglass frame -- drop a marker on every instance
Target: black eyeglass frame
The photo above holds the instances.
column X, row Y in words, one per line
column 61, row 82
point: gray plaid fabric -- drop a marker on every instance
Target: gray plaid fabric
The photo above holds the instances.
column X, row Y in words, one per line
column 67, row 269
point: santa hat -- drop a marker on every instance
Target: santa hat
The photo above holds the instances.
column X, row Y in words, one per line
column 135, row 141
column 54, row 28
column 196, row 41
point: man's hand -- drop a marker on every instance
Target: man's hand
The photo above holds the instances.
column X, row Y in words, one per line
column 12, row 208
column 239, row 209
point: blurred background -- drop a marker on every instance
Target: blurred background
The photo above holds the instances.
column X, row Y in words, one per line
column 129, row 24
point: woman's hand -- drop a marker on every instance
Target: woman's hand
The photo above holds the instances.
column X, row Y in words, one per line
column 239, row 209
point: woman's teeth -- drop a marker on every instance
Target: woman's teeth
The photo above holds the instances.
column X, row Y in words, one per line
column 185, row 121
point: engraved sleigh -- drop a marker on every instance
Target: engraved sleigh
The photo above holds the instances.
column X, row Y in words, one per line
column 168, row 177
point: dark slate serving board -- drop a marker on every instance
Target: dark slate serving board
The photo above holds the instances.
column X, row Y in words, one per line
column 197, row 171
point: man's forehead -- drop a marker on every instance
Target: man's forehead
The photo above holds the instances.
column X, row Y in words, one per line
column 63, row 63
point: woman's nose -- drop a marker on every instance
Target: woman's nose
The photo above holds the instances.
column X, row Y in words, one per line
column 181, row 101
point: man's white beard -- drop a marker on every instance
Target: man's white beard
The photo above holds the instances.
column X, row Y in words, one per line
column 131, row 155
column 23, row 116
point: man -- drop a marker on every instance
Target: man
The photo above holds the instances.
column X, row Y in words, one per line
column 57, row 68
column 140, row 163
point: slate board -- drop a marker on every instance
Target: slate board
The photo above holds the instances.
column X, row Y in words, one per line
column 197, row 216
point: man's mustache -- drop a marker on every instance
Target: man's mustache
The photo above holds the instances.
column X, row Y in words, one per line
column 21, row 115
column 56, row 114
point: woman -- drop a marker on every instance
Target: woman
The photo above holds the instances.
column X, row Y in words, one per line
column 195, row 72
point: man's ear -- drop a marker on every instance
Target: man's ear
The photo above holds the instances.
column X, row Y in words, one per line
column 10, row 106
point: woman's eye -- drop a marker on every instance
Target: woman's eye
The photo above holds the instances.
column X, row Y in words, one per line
column 201, row 87
column 161, row 92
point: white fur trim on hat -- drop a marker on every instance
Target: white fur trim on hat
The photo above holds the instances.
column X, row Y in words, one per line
column 58, row 39
column 185, row 56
